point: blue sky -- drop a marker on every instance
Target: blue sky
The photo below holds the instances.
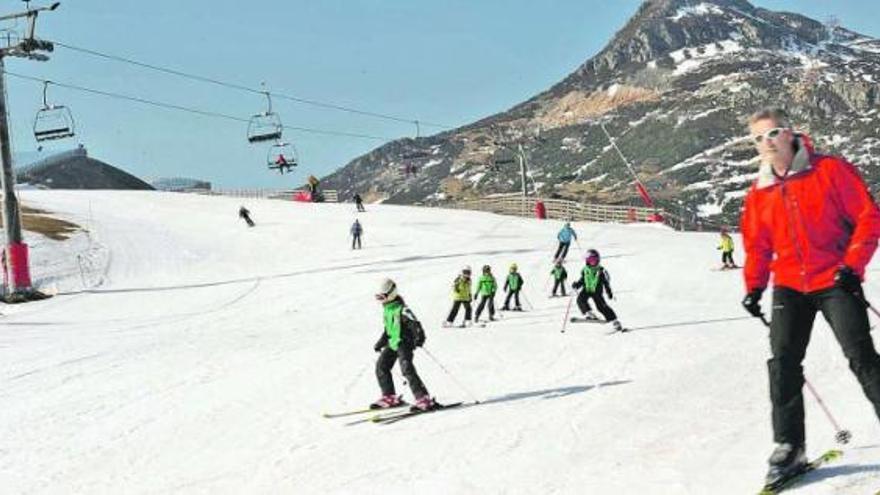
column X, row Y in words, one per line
column 449, row 62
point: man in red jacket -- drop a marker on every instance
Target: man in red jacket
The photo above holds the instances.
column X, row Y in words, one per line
column 811, row 221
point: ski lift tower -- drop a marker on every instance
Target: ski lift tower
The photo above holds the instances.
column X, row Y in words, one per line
column 15, row 257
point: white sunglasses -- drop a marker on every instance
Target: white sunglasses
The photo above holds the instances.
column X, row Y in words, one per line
column 769, row 135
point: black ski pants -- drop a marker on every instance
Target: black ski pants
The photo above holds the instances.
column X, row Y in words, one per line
column 727, row 258
column 360, row 207
column 248, row 220
column 403, row 355
column 512, row 294
column 483, row 301
column 790, row 329
column 562, row 250
column 603, row 307
column 559, row 284
column 356, row 238
column 454, row 312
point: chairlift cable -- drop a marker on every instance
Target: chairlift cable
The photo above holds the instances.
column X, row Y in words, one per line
column 218, row 82
column 181, row 108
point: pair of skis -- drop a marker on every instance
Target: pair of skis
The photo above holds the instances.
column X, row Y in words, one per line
column 389, row 415
column 580, row 319
column 795, row 477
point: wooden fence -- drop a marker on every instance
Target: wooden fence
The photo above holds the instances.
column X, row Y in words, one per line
column 570, row 210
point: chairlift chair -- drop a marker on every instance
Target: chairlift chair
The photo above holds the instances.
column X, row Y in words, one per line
column 282, row 156
column 53, row 121
column 265, row 126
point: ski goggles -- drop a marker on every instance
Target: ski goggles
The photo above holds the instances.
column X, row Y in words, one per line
column 387, row 296
column 769, row 135
column 592, row 260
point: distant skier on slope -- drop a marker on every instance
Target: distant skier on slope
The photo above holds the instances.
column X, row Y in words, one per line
column 593, row 280
column 726, row 247
column 486, row 288
column 565, row 236
column 356, row 231
column 245, row 214
column 559, row 277
column 461, row 296
column 359, row 202
column 513, row 285
column 402, row 334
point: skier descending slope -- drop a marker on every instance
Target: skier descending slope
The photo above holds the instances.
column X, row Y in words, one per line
column 811, row 220
column 357, row 230
column 461, row 296
column 559, row 277
column 566, row 234
column 726, row 247
column 594, row 279
column 245, row 215
column 486, row 288
column 513, row 285
column 403, row 333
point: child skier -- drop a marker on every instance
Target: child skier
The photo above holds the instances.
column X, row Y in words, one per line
column 245, row 214
column 726, row 248
column 402, row 334
column 486, row 288
column 461, row 296
column 559, row 277
column 594, row 278
column 566, row 234
column 513, row 285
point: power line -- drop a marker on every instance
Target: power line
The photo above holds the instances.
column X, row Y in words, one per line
column 225, row 84
column 181, row 108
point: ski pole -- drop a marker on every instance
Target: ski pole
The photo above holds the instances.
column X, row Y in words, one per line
column 867, row 304
column 450, row 375
column 526, row 299
column 842, row 436
column 568, row 310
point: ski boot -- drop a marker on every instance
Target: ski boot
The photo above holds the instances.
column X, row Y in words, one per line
column 424, row 403
column 617, row 326
column 786, row 460
column 589, row 315
column 387, row 401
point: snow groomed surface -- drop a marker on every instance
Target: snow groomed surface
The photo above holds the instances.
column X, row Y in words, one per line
column 202, row 354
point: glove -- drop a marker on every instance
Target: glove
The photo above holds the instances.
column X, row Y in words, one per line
column 379, row 346
column 610, row 296
column 752, row 302
column 847, row 279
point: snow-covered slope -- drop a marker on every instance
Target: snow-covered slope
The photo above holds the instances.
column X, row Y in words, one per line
column 203, row 353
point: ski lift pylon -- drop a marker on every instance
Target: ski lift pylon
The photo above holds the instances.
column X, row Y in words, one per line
column 53, row 121
column 282, row 156
column 265, row 126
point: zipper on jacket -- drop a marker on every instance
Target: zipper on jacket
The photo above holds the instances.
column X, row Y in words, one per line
column 793, row 235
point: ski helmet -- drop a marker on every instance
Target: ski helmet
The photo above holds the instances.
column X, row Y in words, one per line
column 466, row 269
column 513, row 267
column 592, row 257
column 487, row 269
column 387, row 291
